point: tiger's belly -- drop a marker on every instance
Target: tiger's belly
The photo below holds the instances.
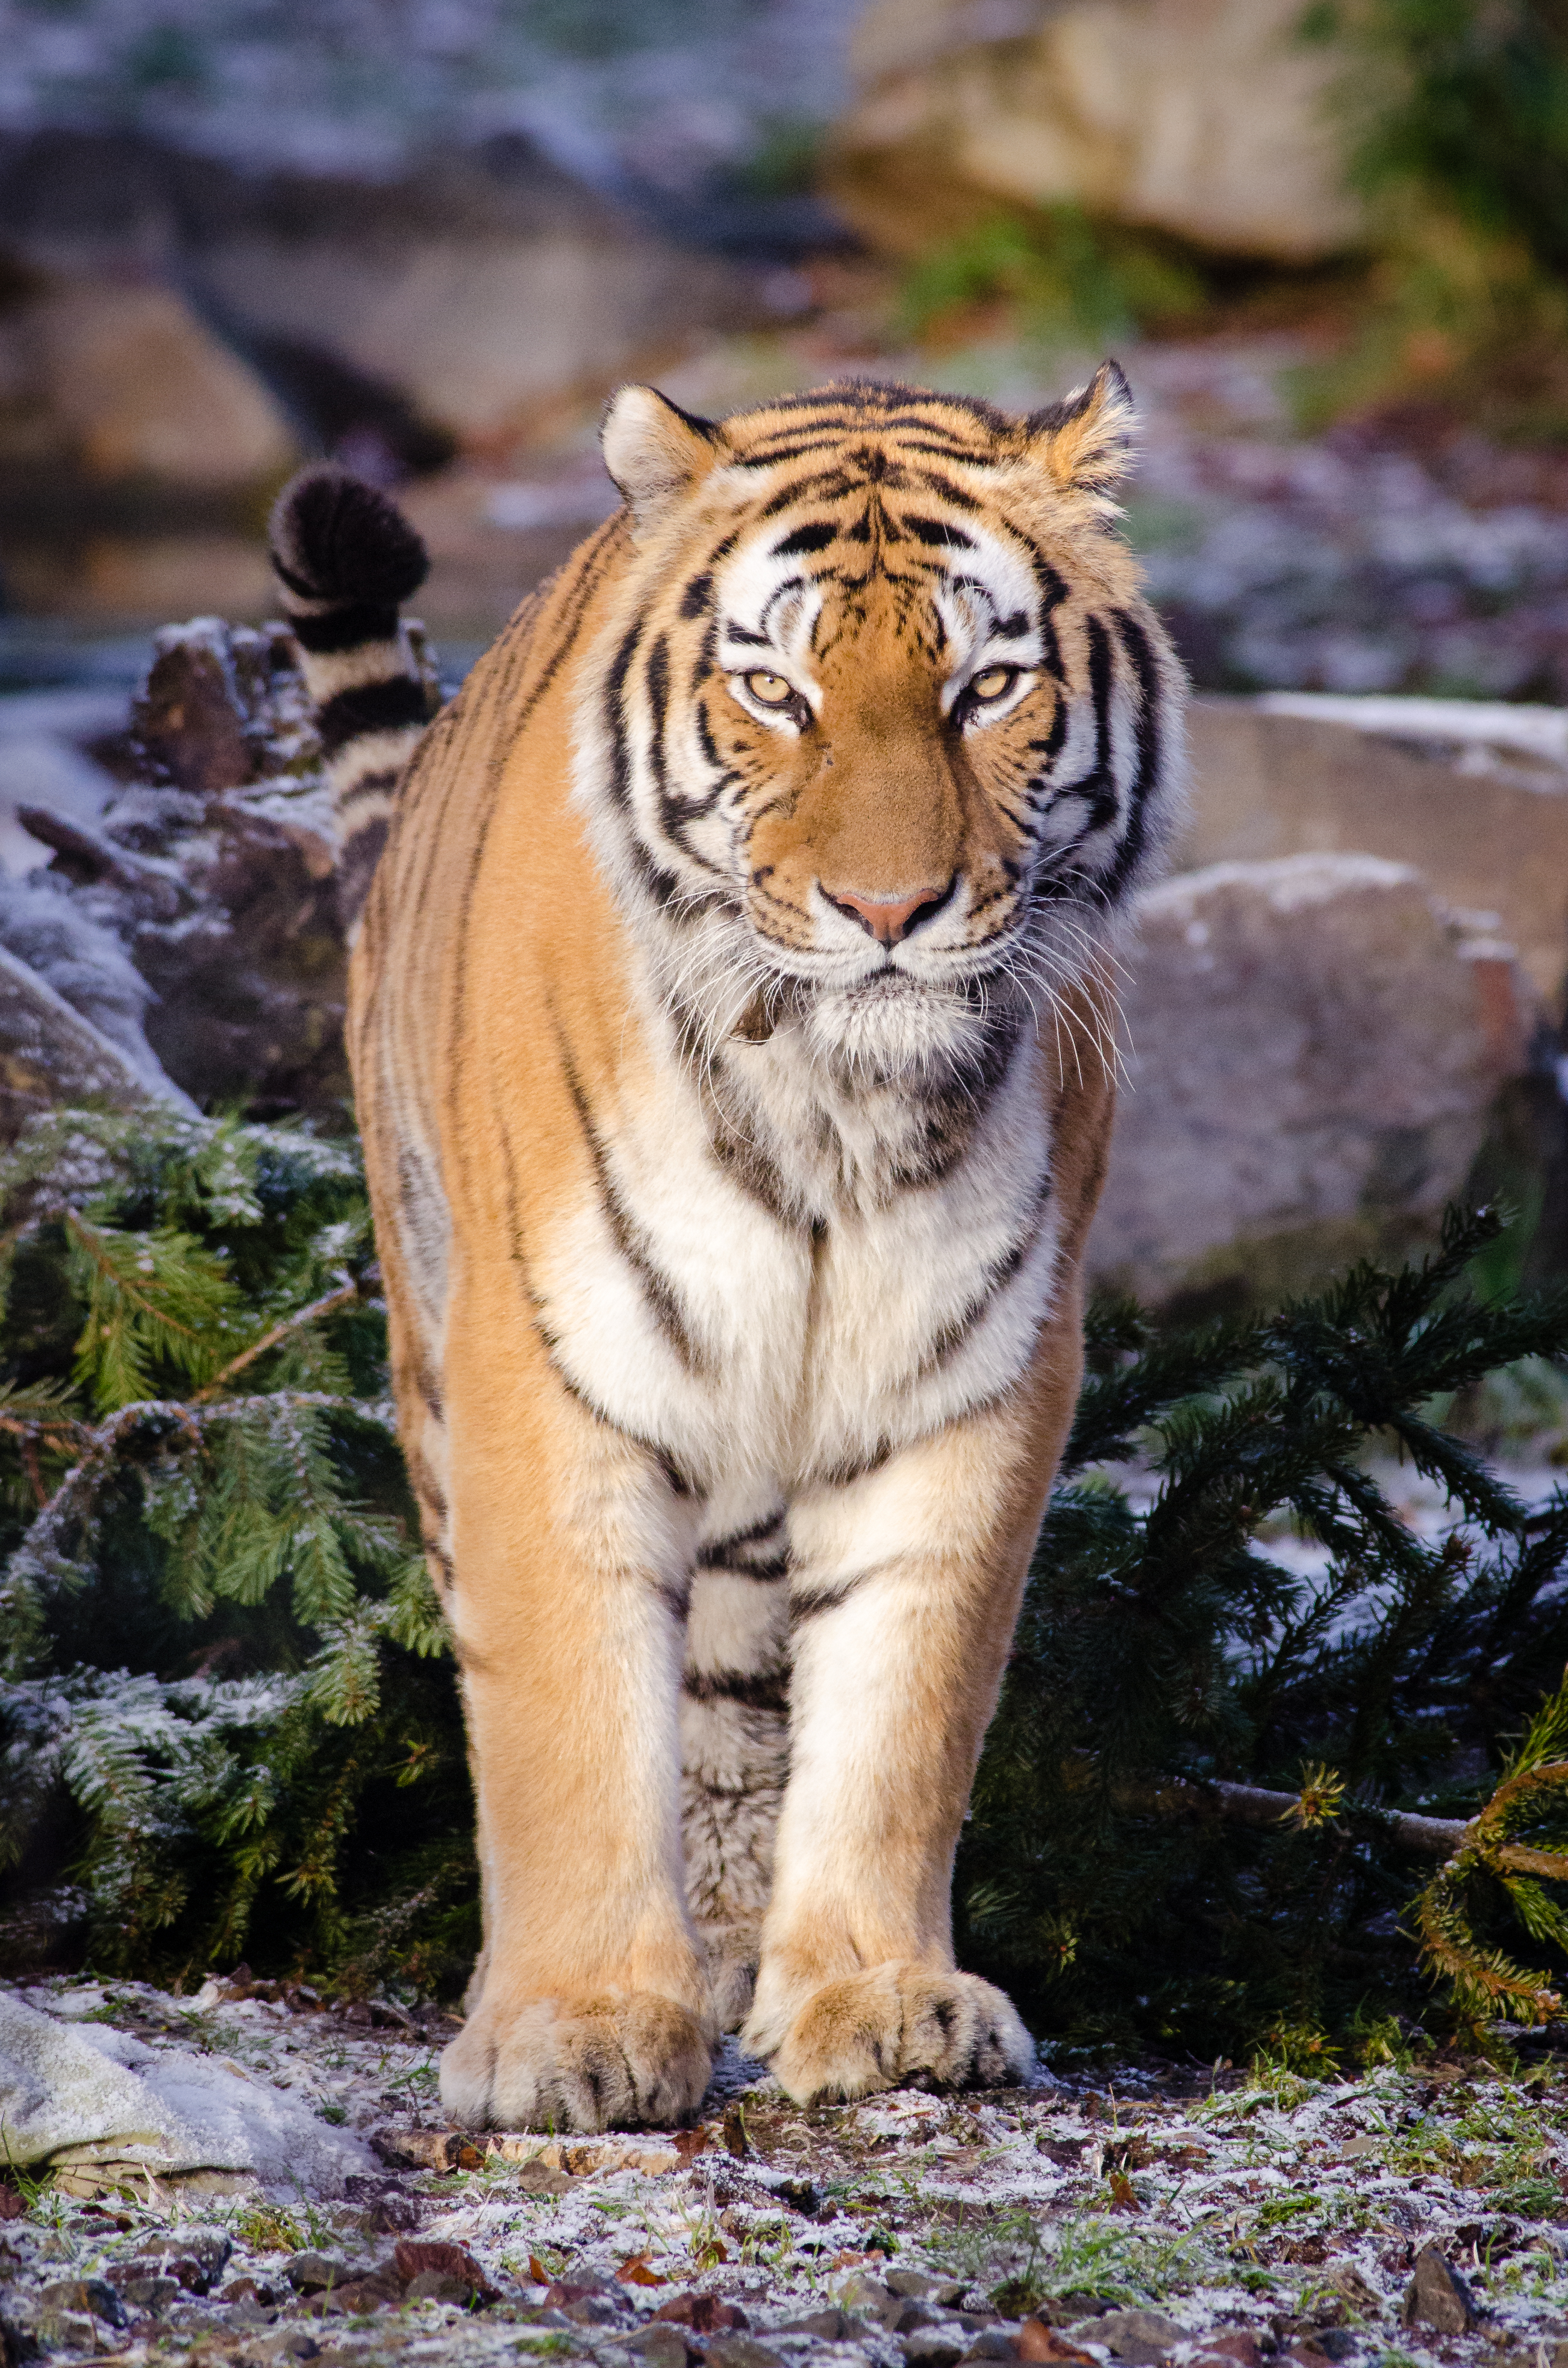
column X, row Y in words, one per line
column 769, row 1353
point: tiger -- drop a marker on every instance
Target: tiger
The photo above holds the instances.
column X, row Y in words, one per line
column 732, row 1026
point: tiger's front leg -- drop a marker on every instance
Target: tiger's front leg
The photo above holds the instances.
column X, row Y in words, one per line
column 570, row 1548
column 905, row 1590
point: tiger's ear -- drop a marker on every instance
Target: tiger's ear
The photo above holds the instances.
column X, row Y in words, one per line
column 1085, row 441
column 655, row 450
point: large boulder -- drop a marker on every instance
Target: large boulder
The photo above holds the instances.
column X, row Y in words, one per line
column 118, row 383
column 1476, row 794
column 1204, row 118
column 473, row 289
column 1315, row 1047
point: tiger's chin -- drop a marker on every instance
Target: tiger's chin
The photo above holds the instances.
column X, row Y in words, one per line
column 895, row 1029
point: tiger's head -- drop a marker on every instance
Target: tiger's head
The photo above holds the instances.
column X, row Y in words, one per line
column 883, row 735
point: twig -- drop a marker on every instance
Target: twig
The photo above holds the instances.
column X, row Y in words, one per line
column 280, row 1330
column 1252, row 1805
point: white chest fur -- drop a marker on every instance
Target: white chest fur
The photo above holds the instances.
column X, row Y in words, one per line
column 769, row 1349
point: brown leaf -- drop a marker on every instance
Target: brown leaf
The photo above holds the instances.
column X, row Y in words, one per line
column 703, row 2313
column 1035, row 2340
column 1122, row 2193
column 636, row 2273
column 689, row 2144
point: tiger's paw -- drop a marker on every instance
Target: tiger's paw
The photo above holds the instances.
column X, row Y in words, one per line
column 621, row 2061
column 902, row 2026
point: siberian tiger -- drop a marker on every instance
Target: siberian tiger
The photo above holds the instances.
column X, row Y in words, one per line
column 732, row 1031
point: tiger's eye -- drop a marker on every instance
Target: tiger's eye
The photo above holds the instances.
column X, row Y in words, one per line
column 768, row 689
column 993, row 683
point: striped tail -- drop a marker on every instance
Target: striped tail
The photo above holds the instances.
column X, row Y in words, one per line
column 345, row 557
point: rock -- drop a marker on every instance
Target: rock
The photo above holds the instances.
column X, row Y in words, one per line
column 381, row 307
column 934, row 2347
column 117, row 382
column 141, row 2288
column 196, row 2257
column 50, row 1053
column 664, row 2346
column 1202, row 119
column 90, row 2096
column 832, row 2326
column 1143, row 2336
column 93, row 2296
column 1316, row 1047
column 1475, row 792
column 1238, row 2344
column 992, row 2343
column 704, row 2314
column 1438, row 2296
column 741, row 2352
column 543, row 2178
column 416, row 2259
column 213, row 868
column 311, row 2273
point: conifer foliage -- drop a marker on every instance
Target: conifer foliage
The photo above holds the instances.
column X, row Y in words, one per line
column 1121, row 1870
column 229, row 1724
column 222, row 1655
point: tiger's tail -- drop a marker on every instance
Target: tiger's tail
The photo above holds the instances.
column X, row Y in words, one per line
column 344, row 556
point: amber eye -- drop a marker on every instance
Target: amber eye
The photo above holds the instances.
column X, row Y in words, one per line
column 768, row 689
column 991, row 684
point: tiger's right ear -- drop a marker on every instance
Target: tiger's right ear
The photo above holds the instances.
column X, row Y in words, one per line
column 655, row 450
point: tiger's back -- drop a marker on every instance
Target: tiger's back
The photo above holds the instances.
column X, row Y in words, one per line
column 732, row 1038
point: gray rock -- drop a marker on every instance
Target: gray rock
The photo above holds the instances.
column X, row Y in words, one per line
column 992, row 2344
column 1315, row 1050
column 143, row 2288
column 311, row 2273
column 741, row 2352
column 1475, row 792
column 1438, row 2296
column 94, row 2296
column 50, row 1053
column 1143, row 2337
column 662, row 2345
column 831, row 2325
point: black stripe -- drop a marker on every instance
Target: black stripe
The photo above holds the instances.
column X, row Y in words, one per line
column 997, row 1276
column 627, row 1235
column 346, row 628
column 370, row 707
column 939, row 533
column 816, row 535
column 615, row 687
column 657, row 673
column 827, row 1598
column 1135, row 642
column 753, row 1689
column 696, row 596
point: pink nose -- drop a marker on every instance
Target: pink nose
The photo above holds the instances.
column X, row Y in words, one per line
column 889, row 918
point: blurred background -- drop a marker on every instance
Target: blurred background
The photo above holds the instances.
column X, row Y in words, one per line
column 1329, row 243
column 428, row 236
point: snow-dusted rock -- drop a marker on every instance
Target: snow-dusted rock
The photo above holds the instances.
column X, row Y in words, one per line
column 82, row 2093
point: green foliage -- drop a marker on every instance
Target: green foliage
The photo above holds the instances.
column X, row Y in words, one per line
column 224, row 1672
column 1164, row 1653
column 1465, row 101
column 1066, row 278
column 1455, row 117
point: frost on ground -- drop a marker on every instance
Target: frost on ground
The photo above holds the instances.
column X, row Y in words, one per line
column 1414, row 2213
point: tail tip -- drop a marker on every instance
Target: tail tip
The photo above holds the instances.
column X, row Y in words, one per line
column 333, row 537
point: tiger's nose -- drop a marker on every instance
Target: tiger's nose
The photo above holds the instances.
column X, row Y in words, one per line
column 890, row 919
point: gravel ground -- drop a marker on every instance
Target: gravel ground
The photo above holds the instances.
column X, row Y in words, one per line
column 1415, row 2212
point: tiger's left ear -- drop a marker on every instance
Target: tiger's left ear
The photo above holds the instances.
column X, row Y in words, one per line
column 1085, row 441
column 655, row 450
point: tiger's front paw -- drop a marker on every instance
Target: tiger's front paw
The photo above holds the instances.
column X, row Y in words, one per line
column 620, row 2061
column 902, row 2026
